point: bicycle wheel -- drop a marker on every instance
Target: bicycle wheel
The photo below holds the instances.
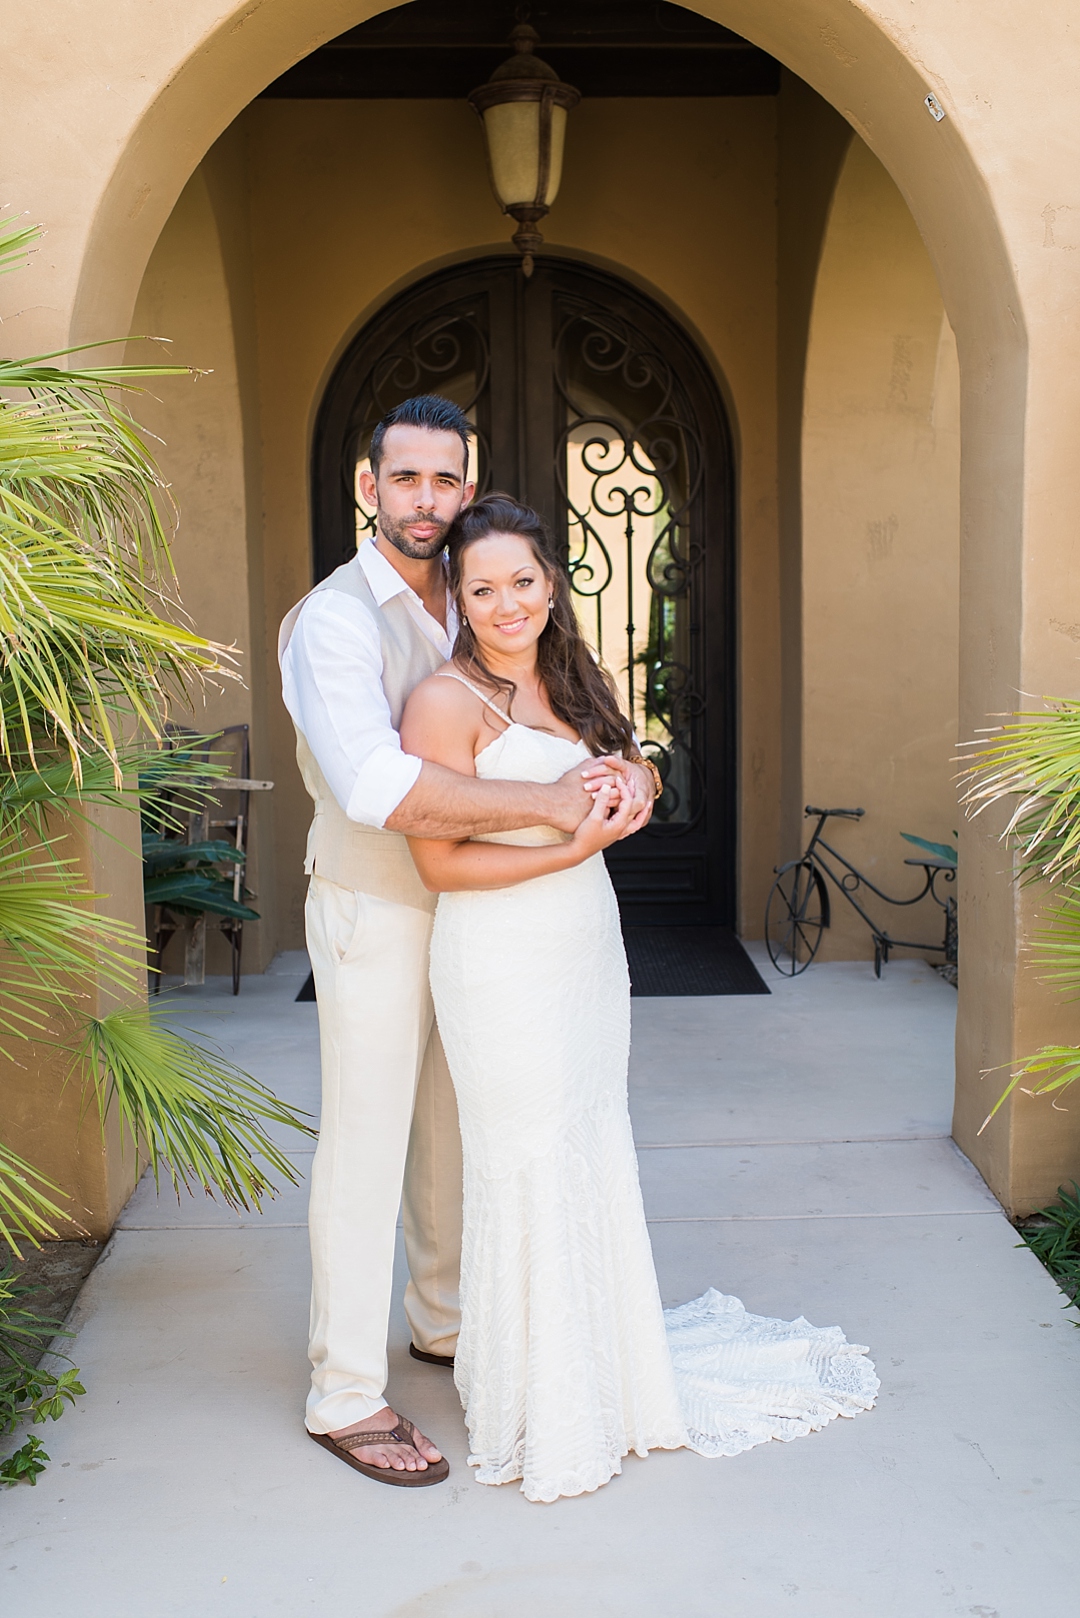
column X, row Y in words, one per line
column 796, row 913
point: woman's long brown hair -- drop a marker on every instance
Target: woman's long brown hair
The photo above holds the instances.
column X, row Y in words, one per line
column 581, row 693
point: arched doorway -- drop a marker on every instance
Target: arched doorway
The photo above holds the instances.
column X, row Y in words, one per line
column 595, row 406
column 185, row 85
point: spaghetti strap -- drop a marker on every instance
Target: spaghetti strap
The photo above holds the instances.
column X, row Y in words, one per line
column 452, row 674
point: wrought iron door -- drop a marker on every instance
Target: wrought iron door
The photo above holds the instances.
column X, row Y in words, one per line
column 593, row 405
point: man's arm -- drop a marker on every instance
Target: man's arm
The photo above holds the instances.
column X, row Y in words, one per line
column 443, row 725
column 332, row 686
column 444, row 804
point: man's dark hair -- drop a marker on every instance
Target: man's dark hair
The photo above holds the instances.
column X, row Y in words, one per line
column 428, row 410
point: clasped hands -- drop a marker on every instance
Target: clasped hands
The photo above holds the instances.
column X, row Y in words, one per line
column 580, row 786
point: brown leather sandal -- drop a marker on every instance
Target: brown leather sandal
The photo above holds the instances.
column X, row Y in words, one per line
column 445, row 1360
column 403, row 1433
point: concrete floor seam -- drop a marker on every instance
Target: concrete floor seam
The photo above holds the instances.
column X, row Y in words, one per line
column 183, row 1229
column 657, row 1219
column 746, row 1219
column 802, row 1140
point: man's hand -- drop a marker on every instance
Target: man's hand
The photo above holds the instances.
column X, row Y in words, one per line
column 641, row 782
column 610, row 816
column 573, row 794
column 636, row 777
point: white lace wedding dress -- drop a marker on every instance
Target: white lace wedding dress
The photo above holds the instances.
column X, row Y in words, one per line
column 566, row 1360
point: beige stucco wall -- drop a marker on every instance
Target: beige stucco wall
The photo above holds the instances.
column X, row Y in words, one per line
column 110, row 110
column 199, row 428
column 881, row 544
column 812, row 139
column 44, row 1117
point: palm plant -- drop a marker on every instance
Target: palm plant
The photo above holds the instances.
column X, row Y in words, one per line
column 29, row 1390
column 93, row 651
column 1034, row 766
column 1053, row 1234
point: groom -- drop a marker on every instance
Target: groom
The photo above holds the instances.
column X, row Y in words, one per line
column 351, row 652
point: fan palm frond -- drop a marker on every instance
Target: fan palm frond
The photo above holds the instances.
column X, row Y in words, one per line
column 80, row 650
column 1061, row 1064
column 163, row 784
column 1057, row 945
column 90, row 629
column 193, row 1114
column 16, row 242
column 94, row 647
column 1036, row 763
column 27, row 1209
column 56, row 946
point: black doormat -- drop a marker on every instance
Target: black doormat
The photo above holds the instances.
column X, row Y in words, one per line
column 689, row 960
column 675, row 960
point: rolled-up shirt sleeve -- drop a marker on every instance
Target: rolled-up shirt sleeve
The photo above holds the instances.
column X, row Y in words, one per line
column 331, row 680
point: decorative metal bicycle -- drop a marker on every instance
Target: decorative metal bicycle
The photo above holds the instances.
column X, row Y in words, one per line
column 798, row 909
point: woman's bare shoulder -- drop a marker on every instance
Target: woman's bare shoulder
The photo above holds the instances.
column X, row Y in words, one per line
column 441, row 694
column 440, row 712
column 442, row 722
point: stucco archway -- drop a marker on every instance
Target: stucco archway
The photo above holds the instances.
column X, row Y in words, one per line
column 204, row 75
column 106, row 169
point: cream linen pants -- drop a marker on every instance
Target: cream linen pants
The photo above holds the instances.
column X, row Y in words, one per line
column 389, row 1122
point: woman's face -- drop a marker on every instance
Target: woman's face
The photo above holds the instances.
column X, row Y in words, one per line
column 504, row 594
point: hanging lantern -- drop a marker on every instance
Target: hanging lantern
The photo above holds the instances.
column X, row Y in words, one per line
column 523, row 109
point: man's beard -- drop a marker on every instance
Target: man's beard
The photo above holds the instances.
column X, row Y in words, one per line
column 417, row 550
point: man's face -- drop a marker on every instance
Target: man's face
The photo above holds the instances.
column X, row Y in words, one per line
column 420, row 489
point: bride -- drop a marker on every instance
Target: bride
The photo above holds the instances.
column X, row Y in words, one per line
column 566, row 1360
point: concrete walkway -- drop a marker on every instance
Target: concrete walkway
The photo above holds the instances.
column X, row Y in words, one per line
column 795, row 1152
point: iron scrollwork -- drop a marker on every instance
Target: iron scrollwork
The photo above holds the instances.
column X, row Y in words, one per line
column 630, row 467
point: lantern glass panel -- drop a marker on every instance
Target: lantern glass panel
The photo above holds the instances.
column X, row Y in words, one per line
column 512, row 129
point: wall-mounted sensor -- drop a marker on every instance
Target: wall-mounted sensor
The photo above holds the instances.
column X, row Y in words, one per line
column 934, row 108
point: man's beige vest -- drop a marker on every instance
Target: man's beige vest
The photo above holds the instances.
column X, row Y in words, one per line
column 366, row 858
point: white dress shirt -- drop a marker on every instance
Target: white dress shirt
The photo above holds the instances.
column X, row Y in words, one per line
column 331, row 680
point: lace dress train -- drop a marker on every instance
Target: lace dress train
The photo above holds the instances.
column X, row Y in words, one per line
column 566, row 1361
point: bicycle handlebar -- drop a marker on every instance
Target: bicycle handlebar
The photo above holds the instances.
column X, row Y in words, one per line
column 850, row 814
